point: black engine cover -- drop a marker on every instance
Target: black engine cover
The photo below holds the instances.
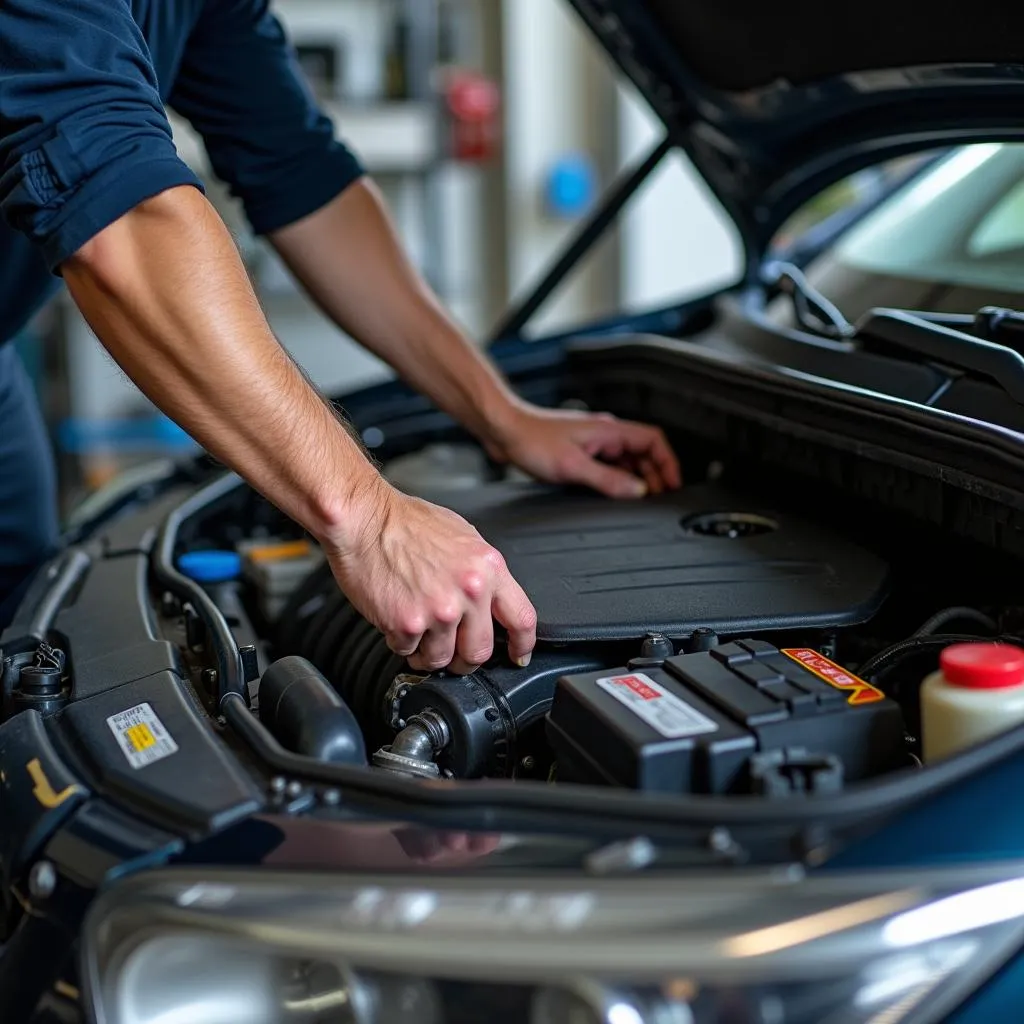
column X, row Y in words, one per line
column 604, row 570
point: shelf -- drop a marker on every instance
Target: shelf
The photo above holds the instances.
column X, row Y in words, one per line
column 389, row 138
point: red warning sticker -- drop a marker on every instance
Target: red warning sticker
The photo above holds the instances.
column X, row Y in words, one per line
column 661, row 709
column 860, row 692
column 636, row 683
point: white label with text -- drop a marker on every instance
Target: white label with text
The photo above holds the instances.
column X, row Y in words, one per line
column 661, row 710
column 141, row 736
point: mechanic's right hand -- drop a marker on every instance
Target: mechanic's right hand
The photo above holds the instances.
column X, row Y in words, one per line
column 430, row 583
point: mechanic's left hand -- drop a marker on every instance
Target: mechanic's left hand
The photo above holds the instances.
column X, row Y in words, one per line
column 616, row 457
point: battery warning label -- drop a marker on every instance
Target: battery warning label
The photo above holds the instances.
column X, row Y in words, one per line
column 860, row 691
column 661, row 710
column 141, row 736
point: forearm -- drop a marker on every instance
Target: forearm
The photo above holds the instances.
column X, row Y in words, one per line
column 167, row 295
column 349, row 259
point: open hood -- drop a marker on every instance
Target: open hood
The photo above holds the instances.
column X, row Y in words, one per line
column 773, row 102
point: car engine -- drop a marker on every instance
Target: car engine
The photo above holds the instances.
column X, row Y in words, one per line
column 683, row 646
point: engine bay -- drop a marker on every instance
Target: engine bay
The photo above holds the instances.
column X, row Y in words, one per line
column 669, row 587
column 718, row 643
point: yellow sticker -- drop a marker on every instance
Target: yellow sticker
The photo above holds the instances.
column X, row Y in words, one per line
column 860, row 691
column 140, row 736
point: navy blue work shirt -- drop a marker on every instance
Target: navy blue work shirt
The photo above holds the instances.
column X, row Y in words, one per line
column 84, row 137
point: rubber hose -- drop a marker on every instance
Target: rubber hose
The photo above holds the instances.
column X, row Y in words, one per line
column 958, row 614
column 883, row 660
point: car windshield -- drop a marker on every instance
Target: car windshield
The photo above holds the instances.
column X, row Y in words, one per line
column 960, row 223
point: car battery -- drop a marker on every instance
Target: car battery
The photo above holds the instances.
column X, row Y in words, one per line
column 694, row 723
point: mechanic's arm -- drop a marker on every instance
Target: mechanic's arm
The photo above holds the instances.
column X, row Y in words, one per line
column 348, row 257
column 240, row 87
column 89, row 174
column 166, row 293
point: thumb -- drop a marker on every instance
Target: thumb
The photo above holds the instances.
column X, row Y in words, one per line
column 608, row 480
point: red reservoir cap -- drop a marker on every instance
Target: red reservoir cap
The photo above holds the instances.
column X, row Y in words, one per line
column 983, row 666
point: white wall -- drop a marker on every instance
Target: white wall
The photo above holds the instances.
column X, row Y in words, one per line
column 676, row 240
column 563, row 94
column 356, row 24
column 558, row 98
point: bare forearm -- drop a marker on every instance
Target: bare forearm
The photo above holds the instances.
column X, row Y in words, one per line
column 166, row 293
column 349, row 259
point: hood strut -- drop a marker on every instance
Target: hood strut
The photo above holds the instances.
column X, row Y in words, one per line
column 590, row 231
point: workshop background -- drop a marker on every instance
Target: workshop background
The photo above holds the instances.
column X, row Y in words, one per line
column 492, row 126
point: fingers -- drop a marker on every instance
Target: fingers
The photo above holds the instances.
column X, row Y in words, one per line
column 609, row 446
column 648, row 471
column 651, row 444
column 455, row 842
column 612, row 481
column 427, row 846
column 512, row 608
column 474, row 643
column 460, row 632
column 638, row 446
column 403, row 644
column 642, row 450
column 432, row 586
column 484, row 843
column 436, row 650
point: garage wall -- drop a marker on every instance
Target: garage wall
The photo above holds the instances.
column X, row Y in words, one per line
column 677, row 241
column 560, row 100
column 564, row 97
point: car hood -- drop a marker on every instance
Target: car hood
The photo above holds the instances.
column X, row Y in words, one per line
column 773, row 102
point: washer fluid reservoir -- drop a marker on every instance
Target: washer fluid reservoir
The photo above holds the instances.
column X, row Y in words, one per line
column 977, row 692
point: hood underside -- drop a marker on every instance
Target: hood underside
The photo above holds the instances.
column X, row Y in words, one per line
column 774, row 102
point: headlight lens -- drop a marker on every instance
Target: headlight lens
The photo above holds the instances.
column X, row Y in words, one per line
column 180, row 948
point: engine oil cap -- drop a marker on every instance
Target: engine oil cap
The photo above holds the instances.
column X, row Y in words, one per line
column 983, row 666
column 211, row 566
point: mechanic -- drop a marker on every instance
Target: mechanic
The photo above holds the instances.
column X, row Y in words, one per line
column 93, row 192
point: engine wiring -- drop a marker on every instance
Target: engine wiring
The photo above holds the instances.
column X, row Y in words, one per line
column 957, row 614
column 926, row 638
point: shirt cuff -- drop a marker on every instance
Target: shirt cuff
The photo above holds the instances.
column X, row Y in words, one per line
column 322, row 178
column 106, row 197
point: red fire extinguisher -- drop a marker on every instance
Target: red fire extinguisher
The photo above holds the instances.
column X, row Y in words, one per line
column 473, row 105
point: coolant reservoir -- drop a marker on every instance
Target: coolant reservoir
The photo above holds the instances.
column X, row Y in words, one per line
column 978, row 691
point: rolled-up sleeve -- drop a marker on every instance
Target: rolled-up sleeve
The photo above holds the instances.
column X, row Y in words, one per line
column 83, row 134
column 241, row 88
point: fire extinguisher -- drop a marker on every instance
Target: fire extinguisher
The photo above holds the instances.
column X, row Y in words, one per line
column 473, row 108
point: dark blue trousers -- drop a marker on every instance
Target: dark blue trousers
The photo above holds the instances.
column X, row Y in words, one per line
column 28, row 483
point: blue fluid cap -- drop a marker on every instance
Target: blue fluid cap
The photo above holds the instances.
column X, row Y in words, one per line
column 211, row 566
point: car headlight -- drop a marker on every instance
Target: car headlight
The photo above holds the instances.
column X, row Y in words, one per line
column 180, row 947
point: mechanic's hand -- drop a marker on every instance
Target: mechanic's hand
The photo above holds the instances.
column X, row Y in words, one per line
column 428, row 846
column 616, row 457
column 430, row 583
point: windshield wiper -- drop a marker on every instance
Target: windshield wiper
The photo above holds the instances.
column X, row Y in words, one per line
column 813, row 311
column 912, row 332
column 992, row 349
column 1003, row 326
